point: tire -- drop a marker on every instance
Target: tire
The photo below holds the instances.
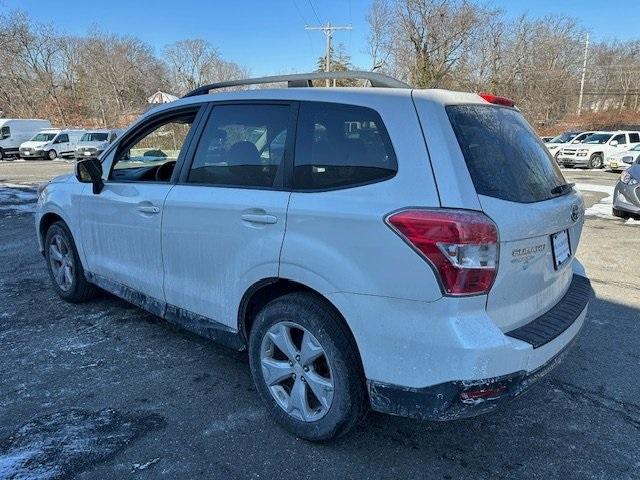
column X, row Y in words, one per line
column 620, row 213
column 52, row 154
column 60, row 250
column 595, row 161
column 339, row 365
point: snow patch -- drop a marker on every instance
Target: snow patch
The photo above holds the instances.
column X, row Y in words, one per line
column 602, row 209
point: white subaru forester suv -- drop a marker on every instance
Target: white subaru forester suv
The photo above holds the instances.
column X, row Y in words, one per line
column 409, row 251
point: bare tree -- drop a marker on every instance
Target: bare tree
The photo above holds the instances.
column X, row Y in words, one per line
column 195, row 62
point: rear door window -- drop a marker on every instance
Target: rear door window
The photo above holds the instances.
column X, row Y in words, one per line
column 634, row 138
column 505, row 158
column 340, row 146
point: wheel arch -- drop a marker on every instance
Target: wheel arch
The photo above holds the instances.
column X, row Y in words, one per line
column 268, row 289
column 45, row 223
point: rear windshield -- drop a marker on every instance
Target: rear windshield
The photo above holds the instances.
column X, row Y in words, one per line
column 505, row 158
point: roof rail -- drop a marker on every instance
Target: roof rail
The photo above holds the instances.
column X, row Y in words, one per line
column 304, row 80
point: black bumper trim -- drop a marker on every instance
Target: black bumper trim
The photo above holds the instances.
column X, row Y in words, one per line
column 444, row 401
column 550, row 325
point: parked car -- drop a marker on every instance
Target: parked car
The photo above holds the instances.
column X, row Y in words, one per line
column 14, row 131
column 51, row 143
column 94, row 142
column 622, row 160
column 592, row 151
column 564, row 139
column 428, row 273
column 626, row 195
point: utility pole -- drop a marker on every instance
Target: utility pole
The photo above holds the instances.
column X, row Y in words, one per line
column 328, row 30
column 584, row 74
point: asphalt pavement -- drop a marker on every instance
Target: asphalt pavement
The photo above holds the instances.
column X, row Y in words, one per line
column 103, row 390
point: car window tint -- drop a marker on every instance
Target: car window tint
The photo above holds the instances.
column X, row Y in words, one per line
column 503, row 155
column 242, row 145
column 63, row 138
column 634, row 138
column 5, row 132
column 153, row 154
column 339, row 146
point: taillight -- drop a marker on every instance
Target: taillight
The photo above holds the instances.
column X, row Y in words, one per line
column 497, row 100
column 461, row 245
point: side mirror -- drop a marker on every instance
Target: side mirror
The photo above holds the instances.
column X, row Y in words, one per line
column 613, row 143
column 90, row 171
column 575, row 141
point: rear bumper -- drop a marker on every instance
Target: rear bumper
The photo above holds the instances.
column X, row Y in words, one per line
column 457, row 399
column 466, row 398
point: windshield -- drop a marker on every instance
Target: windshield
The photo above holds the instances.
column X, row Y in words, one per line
column 598, row 138
column 504, row 157
column 563, row 138
column 581, row 138
column 43, row 137
column 94, row 137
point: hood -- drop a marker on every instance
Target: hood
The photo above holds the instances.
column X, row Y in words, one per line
column 591, row 146
column 32, row 144
column 62, row 178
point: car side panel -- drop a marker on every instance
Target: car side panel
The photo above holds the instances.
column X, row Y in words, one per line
column 63, row 200
column 337, row 241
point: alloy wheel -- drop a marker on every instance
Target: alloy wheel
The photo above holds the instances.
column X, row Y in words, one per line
column 296, row 371
column 61, row 262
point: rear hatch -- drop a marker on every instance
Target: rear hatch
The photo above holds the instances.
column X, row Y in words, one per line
column 539, row 217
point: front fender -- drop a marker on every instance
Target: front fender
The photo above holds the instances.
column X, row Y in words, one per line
column 61, row 199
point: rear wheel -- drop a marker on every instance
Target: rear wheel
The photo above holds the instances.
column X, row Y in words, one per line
column 595, row 161
column 64, row 265
column 306, row 367
column 52, row 154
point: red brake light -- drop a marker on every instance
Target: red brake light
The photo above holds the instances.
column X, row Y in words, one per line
column 462, row 245
column 497, row 100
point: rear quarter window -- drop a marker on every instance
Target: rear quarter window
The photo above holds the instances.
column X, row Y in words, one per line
column 505, row 158
column 341, row 146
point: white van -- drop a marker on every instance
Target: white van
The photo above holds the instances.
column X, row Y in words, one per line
column 51, row 143
column 14, row 131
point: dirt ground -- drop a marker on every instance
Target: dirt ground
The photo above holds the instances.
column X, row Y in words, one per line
column 104, row 390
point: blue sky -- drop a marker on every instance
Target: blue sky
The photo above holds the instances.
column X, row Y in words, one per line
column 268, row 36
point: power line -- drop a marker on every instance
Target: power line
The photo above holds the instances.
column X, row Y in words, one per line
column 328, row 30
column 295, row 4
column 314, row 11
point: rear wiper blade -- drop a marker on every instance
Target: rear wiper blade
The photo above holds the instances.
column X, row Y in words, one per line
column 562, row 188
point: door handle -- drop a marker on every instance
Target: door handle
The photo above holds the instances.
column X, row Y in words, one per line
column 259, row 218
column 150, row 209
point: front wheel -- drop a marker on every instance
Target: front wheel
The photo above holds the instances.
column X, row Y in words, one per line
column 52, row 154
column 64, row 265
column 306, row 367
column 595, row 161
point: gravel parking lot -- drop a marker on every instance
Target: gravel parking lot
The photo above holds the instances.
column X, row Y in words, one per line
column 104, row 390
